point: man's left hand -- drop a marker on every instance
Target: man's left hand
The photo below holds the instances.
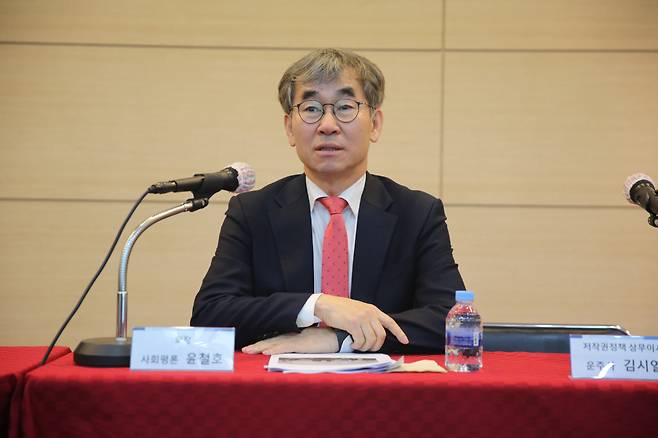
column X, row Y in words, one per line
column 309, row 340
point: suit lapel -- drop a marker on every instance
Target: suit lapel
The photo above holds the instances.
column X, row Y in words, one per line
column 374, row 231
column 291, row 222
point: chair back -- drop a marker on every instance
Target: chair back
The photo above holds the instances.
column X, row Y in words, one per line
column 544, row 338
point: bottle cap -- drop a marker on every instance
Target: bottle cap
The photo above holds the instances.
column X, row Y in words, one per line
column 465, row 296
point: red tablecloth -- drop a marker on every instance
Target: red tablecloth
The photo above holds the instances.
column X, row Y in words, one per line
column 516, row 394
column 14, row 363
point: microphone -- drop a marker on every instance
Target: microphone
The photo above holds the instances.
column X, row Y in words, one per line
column 238, row 178
column 641, row 190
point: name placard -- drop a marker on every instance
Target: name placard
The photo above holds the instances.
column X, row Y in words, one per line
column 614, row 357
column 182, row 348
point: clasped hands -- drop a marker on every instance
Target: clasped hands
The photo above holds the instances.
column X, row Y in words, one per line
column 364, row 322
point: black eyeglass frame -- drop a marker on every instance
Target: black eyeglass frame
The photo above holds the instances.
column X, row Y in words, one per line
column 333, row 109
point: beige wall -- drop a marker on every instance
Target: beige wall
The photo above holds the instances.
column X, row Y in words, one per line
column 524, row 116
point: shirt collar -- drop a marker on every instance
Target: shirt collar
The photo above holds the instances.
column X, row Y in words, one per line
column 352, row 194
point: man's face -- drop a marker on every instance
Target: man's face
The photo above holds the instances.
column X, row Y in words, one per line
column 334, row 153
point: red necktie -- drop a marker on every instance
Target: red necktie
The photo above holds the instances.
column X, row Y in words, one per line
column 334, row 249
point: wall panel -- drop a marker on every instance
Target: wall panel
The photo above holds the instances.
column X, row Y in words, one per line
column 287, row 23
column 51, row 249
column 105, row 123
column 548, row 128
column 558, row 265
column 556, row 24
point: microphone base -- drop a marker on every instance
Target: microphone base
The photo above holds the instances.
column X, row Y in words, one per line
column 103, row 353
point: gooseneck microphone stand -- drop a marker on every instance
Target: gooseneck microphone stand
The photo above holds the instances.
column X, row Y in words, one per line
column 115, row 352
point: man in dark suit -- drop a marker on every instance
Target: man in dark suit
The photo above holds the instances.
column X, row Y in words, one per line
column 270, row 278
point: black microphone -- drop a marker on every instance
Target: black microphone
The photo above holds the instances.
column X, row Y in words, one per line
column 641, row 190
column 238, row 178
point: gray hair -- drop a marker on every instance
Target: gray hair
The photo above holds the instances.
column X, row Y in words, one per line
column 326, row 65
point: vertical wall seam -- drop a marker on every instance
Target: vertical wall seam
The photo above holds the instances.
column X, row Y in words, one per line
column 442, row 89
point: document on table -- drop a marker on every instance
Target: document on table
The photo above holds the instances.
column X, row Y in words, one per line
column 332, row 363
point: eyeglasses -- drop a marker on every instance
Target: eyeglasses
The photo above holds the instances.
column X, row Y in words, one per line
column 345, row 110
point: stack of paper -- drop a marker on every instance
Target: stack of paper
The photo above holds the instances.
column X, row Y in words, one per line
column 332, row 363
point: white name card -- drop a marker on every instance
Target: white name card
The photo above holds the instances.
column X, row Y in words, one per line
column 182, row 348
column 614, row 357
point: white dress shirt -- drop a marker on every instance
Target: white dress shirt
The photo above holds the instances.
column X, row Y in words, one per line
column 319, row 221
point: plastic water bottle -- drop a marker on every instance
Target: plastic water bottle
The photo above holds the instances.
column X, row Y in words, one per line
column 463, row 335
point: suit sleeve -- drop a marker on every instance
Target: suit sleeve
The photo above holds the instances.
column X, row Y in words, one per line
column 435, row 281
column 227, row 297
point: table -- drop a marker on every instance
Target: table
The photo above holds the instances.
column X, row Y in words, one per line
column 15, row 362
column 516, row 394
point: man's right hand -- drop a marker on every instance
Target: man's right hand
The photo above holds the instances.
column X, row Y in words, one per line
column 364, row 322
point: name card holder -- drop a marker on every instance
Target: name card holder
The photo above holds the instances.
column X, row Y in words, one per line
column 182, row 348
column 614, row 357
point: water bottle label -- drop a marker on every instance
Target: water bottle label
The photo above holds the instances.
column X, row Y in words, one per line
column 463, row 337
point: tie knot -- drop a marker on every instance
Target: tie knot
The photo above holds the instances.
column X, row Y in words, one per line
column 334, row 204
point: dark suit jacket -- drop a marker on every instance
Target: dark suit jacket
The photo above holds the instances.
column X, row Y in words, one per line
column 262, row 272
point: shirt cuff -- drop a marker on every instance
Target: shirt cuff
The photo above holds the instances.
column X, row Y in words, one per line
column 346, row 346
column 306, row 317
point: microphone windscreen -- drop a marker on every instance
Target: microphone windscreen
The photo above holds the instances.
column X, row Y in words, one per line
column 632, row 180
column 246, row 177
